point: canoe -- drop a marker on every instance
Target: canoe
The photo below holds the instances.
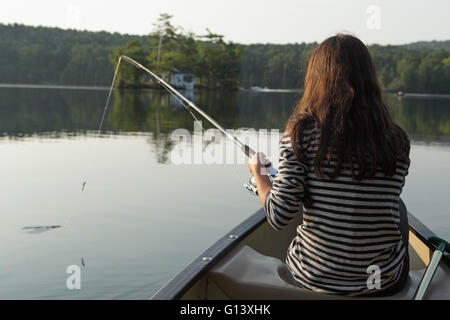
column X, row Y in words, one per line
column 248, row 263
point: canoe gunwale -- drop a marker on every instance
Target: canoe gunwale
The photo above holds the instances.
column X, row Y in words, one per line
column 194, row 271
column 183, row 281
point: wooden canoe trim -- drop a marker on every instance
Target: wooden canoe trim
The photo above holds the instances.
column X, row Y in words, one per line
column 419, row 235
column 422, row 250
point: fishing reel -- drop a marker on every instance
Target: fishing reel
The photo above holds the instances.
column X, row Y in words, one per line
column 251, row 185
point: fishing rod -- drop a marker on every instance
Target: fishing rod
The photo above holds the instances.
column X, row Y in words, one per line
column 249, row 152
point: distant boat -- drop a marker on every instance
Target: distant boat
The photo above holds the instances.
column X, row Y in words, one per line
column 265, row 89
column 256, row 88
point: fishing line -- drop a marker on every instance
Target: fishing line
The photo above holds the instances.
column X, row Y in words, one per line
column 109, row 95
column 83, row 186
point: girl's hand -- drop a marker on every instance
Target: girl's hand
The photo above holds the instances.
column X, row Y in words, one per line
column 259, row 167
column 258, row 164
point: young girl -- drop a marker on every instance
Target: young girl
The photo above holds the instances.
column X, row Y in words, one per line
column 343, row 163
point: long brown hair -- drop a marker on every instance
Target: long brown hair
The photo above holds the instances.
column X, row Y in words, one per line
column 343, row 99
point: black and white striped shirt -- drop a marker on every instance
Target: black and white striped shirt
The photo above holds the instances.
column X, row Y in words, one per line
column 347, row 225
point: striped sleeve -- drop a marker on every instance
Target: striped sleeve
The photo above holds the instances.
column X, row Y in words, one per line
column 288, row 188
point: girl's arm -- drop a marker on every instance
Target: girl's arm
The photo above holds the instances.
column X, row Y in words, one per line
column 283, row 199
column 256, row 165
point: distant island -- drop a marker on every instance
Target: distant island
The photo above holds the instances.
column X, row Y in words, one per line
column 42, row 55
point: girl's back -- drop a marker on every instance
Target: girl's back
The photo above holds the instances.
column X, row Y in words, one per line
column 350, row 228
column 343, row 161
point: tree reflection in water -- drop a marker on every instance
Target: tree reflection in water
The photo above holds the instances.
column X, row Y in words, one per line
column 69, row 113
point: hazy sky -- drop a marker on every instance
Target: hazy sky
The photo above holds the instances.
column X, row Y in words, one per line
column 247, row 21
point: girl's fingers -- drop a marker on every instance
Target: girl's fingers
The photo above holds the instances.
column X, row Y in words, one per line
column 263, row 160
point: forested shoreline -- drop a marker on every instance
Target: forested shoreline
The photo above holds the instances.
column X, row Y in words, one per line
column 42, row 55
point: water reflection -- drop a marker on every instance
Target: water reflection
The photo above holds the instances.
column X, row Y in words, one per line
column 66, row 113
column 426, row 120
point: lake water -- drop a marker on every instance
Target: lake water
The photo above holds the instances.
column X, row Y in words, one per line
column 131, row 217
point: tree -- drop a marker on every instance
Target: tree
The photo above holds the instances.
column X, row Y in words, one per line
column 432, row 73
column 407, row 70
column 164, row 27
column 129, row 75
column 54, row 56
column 219, row 63
column 164, row 32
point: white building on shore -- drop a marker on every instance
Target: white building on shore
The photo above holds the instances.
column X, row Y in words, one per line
column 180, row 79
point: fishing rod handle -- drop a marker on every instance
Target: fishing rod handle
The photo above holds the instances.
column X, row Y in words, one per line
column 249, row 152
column 251, row 185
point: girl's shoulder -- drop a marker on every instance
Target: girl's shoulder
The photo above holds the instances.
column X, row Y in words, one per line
column 298, row 141
column 301, row 126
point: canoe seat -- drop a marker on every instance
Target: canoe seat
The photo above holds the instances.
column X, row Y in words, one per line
column 246, row 274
